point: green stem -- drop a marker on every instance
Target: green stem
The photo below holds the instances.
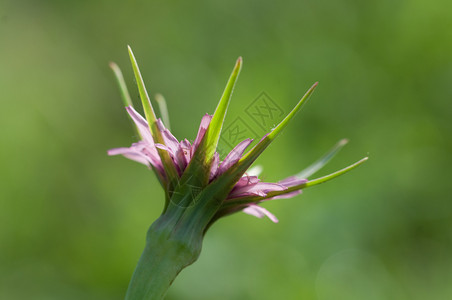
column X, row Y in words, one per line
column 164, row 256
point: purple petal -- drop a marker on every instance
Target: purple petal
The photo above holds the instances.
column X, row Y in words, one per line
column 259, row 212
column 151, row 152
column 175, row 158
column 234, row 155
column 289, row 182
column 180, row 158
column 130, row 154
column 259, row 189
column 205, row 121
column 142, row 153
column 246, row 180
column 168, row 138
column 142, row 125
column 163, row 147
column 186, row 147
column 264, row 137
column 292, row 181
column 214, row 167
column 285, row 196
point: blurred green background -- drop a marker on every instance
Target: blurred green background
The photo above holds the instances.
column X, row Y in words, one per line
column 73, row 220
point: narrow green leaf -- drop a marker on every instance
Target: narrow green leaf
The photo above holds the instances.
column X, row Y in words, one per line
column 167, row 162
column 122, row 84
column 320, row 163
column 163, row 110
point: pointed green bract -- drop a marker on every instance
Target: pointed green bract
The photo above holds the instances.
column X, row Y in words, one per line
column 147, row 106
column 319, row 180
column 213, row 132
column 335, row 174
column 123, row 89
column 128, row 102
column 167, row 162
column 163, row 110
column 122, row 84
column 292, row 114
column 256, row 199
column 197, row 171
column 320, row 163
column 246, row 161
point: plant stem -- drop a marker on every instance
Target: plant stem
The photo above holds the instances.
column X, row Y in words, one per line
column 163, row 258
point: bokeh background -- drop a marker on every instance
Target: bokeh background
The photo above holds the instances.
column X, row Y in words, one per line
column 73, row 220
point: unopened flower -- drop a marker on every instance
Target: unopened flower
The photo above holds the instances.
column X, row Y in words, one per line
column 181, row 153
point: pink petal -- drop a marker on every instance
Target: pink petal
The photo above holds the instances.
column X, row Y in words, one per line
column 214, row 167
column 285, row 196
column 246, row 180
column 168, row 138
column 141, row 152
column 205, row 121
column 175, row 157
column 163, row 147
column 259, row 189
column 292, row 181
column 234, row 155
column 152, row 154
column 180, row 158
column 130, row 154
column 186, row 147
column 289, row 182
column 259, row 212
column 142, row 125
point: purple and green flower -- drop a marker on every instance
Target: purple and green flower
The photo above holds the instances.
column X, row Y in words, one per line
column 200, row 188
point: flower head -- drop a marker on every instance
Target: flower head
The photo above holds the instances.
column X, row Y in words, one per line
column 197, row 184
